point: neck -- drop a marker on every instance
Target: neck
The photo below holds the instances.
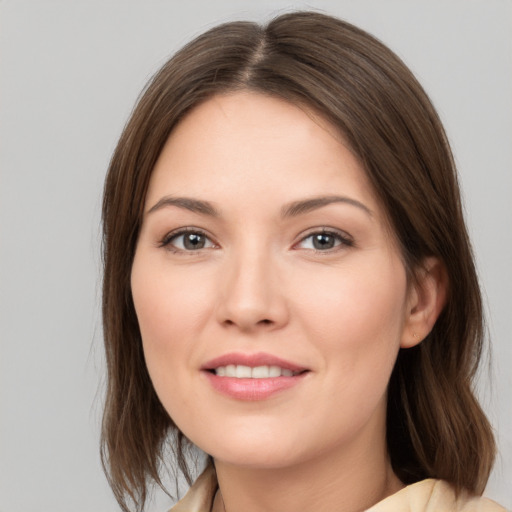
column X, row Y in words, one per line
column 349, row 480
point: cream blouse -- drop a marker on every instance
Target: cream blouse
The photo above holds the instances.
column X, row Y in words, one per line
column 425, row 496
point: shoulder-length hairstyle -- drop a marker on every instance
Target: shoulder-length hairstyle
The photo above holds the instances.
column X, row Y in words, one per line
column 435, row 427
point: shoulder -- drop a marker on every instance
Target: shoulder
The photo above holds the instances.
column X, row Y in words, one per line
column 426, row 496
column 434, row 496
column 199, row 497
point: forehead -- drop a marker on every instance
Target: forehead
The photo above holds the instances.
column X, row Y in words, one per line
column 252, row 146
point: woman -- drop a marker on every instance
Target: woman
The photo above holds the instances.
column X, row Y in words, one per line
column 289, row 283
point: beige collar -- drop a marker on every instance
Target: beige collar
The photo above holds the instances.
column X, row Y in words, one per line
column 426, row 496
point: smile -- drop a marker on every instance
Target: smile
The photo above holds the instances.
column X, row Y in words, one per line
column 241, row 371
column 250, row 377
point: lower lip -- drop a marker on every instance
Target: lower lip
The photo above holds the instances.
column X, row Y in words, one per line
column 252, row 389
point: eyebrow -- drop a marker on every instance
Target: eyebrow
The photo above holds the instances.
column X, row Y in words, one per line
column 304, row 206
column 293, row 209
column 187, row 203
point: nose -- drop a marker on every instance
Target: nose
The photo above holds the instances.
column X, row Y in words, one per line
column 251, row 295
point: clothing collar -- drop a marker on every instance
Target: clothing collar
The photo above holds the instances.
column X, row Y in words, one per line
column 425, row 496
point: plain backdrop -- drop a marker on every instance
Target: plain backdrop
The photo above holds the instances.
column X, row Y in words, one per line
column 70, row 72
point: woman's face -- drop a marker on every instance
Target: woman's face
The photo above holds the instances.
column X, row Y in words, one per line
column 271, row 296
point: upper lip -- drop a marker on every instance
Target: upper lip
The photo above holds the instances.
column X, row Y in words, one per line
column 252, row 360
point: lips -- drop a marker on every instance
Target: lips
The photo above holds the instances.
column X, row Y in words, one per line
column 240, row 371
column 252, row 361
column 252, row 376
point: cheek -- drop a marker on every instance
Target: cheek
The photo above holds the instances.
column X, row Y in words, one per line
column 169, row 305
column 355, row 317
column 168, row 308
column 355, row 299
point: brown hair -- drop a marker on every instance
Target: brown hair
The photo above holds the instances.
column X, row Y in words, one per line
column 435, row 427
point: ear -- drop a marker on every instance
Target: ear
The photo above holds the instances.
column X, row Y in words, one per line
column 426, row 299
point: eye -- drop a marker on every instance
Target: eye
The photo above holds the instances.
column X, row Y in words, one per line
column 187, row 240
column 325, row 240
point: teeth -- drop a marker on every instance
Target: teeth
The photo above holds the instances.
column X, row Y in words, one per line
column 246, row 372
column 262, row 372
column 243, row 372
column 274, row 371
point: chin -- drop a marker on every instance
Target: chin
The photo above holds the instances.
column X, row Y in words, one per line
column 257, row 456
column 249, row 447
column 266, row 444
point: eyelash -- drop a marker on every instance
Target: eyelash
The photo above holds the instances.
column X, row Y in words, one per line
column 173, row 235
column 343, row 239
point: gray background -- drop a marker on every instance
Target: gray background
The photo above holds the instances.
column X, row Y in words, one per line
column 70, row 72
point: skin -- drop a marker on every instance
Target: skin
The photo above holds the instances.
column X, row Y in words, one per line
column 259, row 285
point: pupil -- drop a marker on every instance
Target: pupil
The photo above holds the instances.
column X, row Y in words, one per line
column 193, row 241
column 323, row 241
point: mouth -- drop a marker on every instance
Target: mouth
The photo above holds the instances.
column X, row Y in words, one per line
column 240, row 371
column 250, row 377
